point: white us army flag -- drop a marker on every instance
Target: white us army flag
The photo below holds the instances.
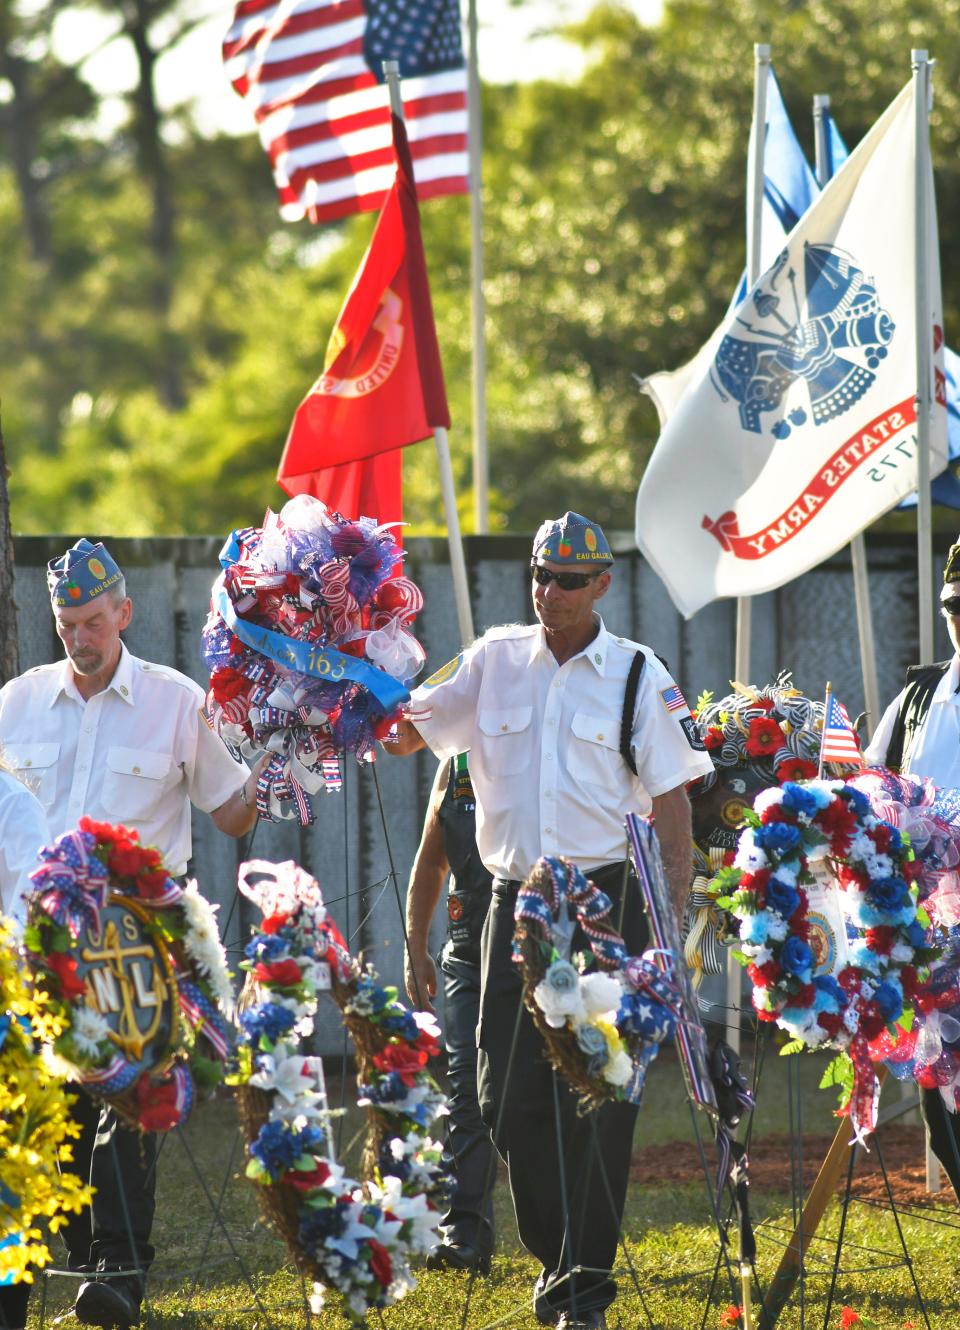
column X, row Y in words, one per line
column 800, row 429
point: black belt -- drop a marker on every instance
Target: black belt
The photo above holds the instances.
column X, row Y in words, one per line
column 504, row 886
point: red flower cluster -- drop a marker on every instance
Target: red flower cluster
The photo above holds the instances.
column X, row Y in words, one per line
column 140, row 866
column 838, row 821
column 713, row 738
column 308, row 1181
column 282, row 974
column 380, row 1265
column 730, row 1317
column 65, row 968
column 156, row 1104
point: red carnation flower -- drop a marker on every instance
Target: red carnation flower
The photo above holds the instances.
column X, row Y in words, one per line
column 880, row 939
column 282, row 974
column 795, row 768
column 65, row 968
column 804, row 996
column 765, row 1015
column 849, row 1317
column 380, row 1264
column 713, row 738
column 848, row 979
column 908, row 981
column 427, row 1043
column 152, row 882
column 765, row 737
column 773, row 813
column 831, row 1021
column 226, row 683
column 837, row 821
column 755, row 881
column 125, row 859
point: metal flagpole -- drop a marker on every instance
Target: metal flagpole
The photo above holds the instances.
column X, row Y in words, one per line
column 481, row 463
column 741, row 666
column 921, row 84
column 458, row 566
column 858, row 547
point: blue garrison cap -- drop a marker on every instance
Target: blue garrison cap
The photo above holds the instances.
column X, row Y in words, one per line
column 82, row 574
column 573, row 540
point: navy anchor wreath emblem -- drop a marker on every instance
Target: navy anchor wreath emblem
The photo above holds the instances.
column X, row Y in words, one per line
column 833, row 339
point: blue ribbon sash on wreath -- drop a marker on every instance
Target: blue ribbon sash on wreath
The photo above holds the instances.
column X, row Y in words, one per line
column 307, row 658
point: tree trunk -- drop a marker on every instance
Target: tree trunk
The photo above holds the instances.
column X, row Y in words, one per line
column 9, row 655
column 152, row 162
column 19, row 123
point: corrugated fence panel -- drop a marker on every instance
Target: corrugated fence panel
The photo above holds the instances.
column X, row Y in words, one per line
column 362, row 844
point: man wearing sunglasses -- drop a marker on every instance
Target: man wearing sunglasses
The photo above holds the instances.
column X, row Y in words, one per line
column 919, row 735
column 569, row 728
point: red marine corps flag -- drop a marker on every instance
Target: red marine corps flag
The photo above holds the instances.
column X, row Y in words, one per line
column 799, row 428
column 382, row 383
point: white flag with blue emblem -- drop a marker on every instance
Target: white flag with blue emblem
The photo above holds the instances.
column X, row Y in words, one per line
column 799, row 429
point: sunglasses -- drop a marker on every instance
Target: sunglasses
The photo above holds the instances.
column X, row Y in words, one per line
column 565, row 581
column 951, row 607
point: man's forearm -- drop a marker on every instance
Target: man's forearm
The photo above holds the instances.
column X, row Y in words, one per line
column 674, row 829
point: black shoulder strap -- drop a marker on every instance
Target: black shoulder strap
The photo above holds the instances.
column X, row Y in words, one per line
column 921, row 685
column 629, row 707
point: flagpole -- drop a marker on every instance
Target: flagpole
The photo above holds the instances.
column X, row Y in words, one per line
column 858, row 546
column 481, row 462
column 921, row 81
column 761, row 52
column 826, row 713
column 741, row 663
column 458, row 567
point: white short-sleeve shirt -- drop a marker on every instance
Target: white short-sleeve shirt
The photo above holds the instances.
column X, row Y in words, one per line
column 544, row 743
column 934, row 752
column 138, row 753
column 23, row 830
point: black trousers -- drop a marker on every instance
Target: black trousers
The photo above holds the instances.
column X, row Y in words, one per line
column 944, row 1134
column 120, row 1162
column 568, row 1172
column 470, row 1154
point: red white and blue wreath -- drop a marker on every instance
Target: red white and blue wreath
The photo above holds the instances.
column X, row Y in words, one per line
column 356, row 1238
column 794, row 833
column 308, row 648
column 135, row 971
column 604, row 1017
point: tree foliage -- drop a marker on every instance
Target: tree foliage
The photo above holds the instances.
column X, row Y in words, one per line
column 158, row 335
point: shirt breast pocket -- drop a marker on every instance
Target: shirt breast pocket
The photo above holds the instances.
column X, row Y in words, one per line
column 36, row 765
column 134, row 782
column 505, row 740
column 593, row 750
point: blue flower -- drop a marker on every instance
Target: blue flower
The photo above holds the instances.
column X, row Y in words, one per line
column 826, row 984
column 777, row 836
column 887, row 893
column 797, row 958
column 859, row 802
column 319, row 1224
column 266, row 1020
column 799, row 799
column 782, row 897
column 384, row 1089
column 889, row 999
column 278, row 1147
column 266, row 947
column 403, row 1024
column 916, row 935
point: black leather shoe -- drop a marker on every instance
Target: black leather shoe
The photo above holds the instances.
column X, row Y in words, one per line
column 111, row 1303
column 458, row 1256
column 589, row 1320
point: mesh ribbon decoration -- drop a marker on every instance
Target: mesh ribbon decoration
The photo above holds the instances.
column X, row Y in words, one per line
column 603, row 1026
column 354, row 1238
column 308, row 648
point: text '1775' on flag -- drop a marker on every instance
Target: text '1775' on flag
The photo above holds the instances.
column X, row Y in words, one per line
column 311, row 71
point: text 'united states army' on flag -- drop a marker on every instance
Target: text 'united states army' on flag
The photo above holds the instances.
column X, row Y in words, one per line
column 311, row 72
column 839, row 743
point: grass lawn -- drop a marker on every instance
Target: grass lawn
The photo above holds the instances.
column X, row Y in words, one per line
column 670, row 1238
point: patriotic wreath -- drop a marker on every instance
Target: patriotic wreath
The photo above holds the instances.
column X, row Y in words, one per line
column 791, row 830
column 603, row 1026
column 308, row 648
column 351, row 1237
column 35, row 1126
column 88, row 872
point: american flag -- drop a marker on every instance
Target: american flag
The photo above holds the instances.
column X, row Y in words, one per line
column 311, row 72
column 673, row 699
column 839, row 743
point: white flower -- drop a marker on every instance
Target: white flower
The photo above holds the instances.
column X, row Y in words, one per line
column 750, row 857
column 558, row 995
column 600, row 993
column 776, row 926
column 761, row 955
column 619, row 1069
column 203, row 946
column 423, row 1221
column 773, row 794
column 285, row 1076
column 88, row 1029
